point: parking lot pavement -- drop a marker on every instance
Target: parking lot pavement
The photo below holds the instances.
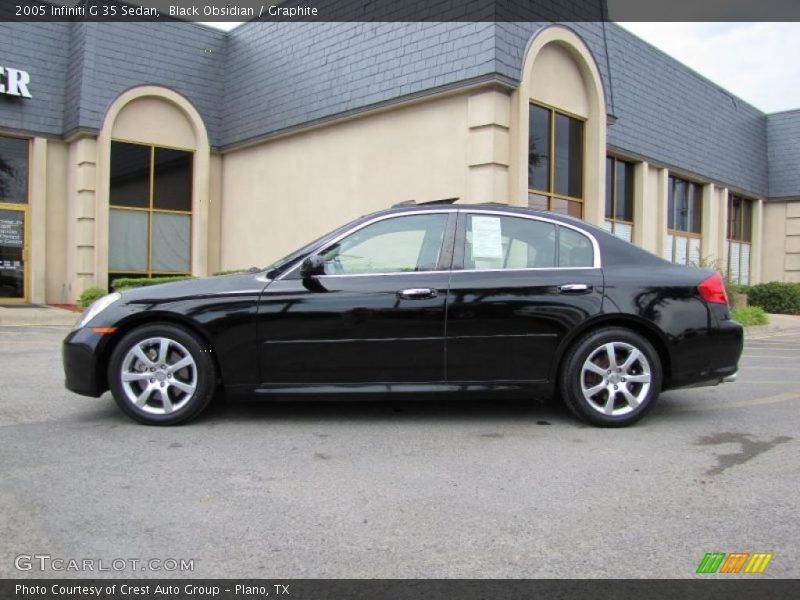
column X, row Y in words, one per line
column 402, row 489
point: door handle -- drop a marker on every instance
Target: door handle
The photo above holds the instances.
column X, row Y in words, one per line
column 575, row 288
column 417, row 293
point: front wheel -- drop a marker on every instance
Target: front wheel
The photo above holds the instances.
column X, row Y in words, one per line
column 161, row 374
column 610, row 377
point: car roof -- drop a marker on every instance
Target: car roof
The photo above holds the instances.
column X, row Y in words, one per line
column 491, row 206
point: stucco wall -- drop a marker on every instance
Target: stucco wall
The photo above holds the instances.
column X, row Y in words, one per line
column 781, row 242
column 280, row 194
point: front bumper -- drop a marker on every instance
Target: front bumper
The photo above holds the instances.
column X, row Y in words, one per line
column 83, row 371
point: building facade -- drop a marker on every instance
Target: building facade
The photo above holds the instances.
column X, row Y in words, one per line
column 173, row 148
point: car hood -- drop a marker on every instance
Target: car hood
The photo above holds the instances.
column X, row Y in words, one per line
column 221, row 285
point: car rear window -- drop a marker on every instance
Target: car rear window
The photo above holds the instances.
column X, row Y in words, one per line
column 500, row 242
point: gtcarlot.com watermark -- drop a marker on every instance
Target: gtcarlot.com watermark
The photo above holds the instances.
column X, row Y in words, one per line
column 49, row 563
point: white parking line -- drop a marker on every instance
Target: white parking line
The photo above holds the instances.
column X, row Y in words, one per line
column 774, row 335
column 785, row 397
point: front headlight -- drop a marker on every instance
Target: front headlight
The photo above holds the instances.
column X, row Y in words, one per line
column 96, row 308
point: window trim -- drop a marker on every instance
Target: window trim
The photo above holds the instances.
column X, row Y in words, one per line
column 447, row 239
column 458, row 256
column 453, row 240
column 676, row 233
column 734, row 240
column 613, row 219
column 151, row 210
column 29, row 186
column 745, row 201
column 552, row 195
column 24, row 208
column 443, row 251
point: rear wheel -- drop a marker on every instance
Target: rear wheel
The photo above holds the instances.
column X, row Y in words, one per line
column 161, row 374
column 610, row 377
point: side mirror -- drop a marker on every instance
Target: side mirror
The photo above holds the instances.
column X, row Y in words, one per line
column 311, row 267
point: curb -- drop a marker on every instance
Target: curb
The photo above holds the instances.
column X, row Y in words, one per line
column 33, row 316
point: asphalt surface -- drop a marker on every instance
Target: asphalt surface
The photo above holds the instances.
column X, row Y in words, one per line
column 473, row 489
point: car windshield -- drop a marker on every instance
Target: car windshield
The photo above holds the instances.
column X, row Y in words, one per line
column 277, row 266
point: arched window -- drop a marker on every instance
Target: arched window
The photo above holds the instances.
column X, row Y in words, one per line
column 555, row 161
column 150, row 210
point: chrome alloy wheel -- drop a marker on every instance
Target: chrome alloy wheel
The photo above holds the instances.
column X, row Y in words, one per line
column 158, row 375
column 615, row 378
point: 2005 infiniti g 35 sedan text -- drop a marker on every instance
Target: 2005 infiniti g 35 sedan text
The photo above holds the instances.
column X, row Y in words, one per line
column 482, row 299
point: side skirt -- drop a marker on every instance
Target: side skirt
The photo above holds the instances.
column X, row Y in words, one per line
column 388, row 389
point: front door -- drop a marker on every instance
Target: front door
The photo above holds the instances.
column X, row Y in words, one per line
column 13, row 254
column 376, row 316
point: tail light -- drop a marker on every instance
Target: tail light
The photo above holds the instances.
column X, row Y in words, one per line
column 713, row 290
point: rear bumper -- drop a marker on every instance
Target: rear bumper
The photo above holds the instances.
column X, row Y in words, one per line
column 79, row 355
column 730, row 378
column 710, row 358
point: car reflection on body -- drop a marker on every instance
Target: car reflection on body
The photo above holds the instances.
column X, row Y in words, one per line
column 462, row 299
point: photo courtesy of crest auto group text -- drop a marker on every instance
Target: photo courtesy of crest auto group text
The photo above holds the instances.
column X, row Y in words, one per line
column 343, row 299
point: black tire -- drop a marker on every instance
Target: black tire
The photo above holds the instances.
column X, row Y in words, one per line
column 181, row 406
column 593, row 408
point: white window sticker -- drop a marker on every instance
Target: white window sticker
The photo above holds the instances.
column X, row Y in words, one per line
column 486, row 237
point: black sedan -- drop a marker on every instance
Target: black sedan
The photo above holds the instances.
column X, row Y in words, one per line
column 465, row 299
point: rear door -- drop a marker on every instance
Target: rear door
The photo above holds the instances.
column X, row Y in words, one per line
column 519, row 285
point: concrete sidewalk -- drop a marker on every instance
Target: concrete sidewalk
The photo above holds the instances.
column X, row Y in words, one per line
column 32, row 315
column 778, row 324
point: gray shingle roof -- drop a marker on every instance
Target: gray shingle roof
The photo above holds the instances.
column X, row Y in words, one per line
column 262, row 78
column 783, row 133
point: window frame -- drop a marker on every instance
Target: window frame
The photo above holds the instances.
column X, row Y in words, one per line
column 749, row 203
column 681, row 233
column 151, row 211
column 328, row 247
column 28, row 186
column 451, row 259
column 551, row 195
column 460, row 242
column 613, row 220
column 24, row 208
column 445, row 254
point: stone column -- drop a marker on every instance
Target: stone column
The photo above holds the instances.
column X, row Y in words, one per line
column 81, row 231
column 757, row 241
column 37, row 213
column 709, row 228
column 488, row 147
column 662, row 201
column 645, row 209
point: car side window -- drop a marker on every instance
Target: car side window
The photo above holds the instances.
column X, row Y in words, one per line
column 574, row 249
column 502, row 242
column 403, row 244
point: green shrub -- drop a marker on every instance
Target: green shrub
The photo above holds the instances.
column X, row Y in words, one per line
column 89, row 295
column 737, row 288
column 776, row 297
column 126, row 283
column 750, row 315
column 735, row 292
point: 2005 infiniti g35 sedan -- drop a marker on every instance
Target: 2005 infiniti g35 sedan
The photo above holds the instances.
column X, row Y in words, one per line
column 483, row 299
